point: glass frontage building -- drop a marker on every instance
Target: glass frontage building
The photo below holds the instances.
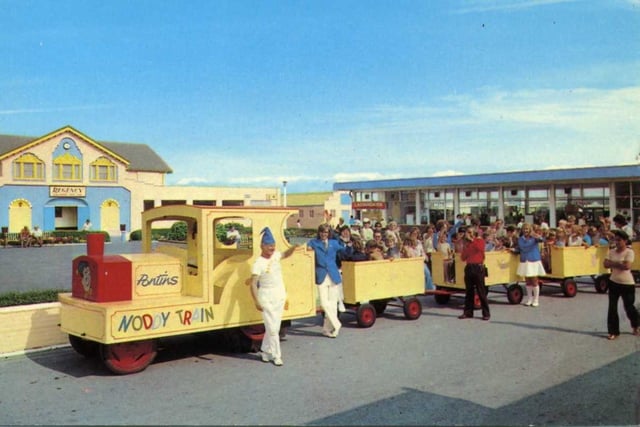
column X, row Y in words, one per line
column 548, row 195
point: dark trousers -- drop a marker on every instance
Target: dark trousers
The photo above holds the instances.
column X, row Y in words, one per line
column 628, row 294
column 474, row 283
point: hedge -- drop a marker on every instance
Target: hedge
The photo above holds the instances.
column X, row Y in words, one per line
column 29, row 297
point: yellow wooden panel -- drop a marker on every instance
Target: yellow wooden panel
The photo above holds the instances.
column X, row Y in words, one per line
column 156, row 274
column 29, row 327
column 437, row 268
column 369, row 280
column 82, row 318
column 577, row 261
column 502, row 266
column 636, row 260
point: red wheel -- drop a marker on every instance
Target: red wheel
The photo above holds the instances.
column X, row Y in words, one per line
column 412, row 308
column 254, row 332
column 514, row 294
column 128, row 357
column 366, row 315
column 602, row 284
column 570, row 288
column 476, row 302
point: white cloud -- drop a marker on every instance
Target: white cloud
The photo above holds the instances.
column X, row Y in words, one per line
column 474, row 6
column 52, row 109
column 192, row 181
column 490, row 130
column 447, row 173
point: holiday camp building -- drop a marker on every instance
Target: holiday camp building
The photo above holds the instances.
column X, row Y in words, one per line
column 548, row 195
column 60, row 180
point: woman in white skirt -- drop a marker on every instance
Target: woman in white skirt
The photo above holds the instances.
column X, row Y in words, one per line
column 530, row 266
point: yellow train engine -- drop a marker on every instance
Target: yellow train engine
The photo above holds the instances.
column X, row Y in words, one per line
column 121, row 304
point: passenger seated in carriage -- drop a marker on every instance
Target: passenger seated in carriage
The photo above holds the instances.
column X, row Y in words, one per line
column 374, row 251
column 358, row 253
column 447, row 258
column 393, row 250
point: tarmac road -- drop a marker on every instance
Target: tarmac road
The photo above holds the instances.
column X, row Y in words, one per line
column 549, row 365
column 48, row 267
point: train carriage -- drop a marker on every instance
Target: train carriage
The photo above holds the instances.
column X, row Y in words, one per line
column 501, row 268
column 370, row 286
column 567, row 264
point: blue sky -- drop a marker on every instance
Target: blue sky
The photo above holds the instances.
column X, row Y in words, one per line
column 251, row 93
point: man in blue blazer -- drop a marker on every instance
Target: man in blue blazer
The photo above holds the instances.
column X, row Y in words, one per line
column 328, row 277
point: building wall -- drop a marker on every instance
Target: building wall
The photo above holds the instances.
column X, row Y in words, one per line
column 317, row 208
column 33, row 202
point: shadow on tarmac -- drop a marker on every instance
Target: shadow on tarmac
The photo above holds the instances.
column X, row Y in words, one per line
column 589, row 399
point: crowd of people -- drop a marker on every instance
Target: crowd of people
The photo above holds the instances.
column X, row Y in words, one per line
column 377, row 240
column 361, row 241
column 531, row 241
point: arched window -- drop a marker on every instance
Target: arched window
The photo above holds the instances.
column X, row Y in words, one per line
column 103, row 169
column 28, row 166
column 67, row 168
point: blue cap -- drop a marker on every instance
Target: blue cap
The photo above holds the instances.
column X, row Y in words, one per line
column 267, row 237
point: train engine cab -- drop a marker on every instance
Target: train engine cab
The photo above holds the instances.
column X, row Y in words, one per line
column 121, row 304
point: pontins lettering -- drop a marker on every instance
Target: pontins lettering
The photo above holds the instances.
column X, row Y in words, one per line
column 160, row 280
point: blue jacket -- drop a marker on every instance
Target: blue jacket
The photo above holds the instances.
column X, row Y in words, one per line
column 529, row 250
column 326, row 259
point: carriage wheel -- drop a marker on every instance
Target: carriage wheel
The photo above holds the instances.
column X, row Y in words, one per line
column 514, row 294
column 128, row 357
column 253, row 332
column 412, row 308
column 380, row 307
column 601, row 284
column 366, row 315
column 570, row 288
column 84, row 347
column 442, row 299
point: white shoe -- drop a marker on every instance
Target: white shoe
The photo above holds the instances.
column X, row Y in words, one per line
column 335, row 332
column 535, row 304
column 528, row 303
column 328, row 334
column 278, row 361
column 341, row 307
column 266, row 357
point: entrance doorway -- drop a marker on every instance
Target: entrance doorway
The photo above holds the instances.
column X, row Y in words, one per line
column 66, row 218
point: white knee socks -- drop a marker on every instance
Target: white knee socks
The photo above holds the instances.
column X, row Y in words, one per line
column 529, row 295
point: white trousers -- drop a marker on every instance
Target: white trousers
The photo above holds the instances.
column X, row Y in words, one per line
column 272, row 302
column 328, row 292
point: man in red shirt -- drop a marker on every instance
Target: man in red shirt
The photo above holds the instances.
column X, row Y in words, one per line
column 474, row 274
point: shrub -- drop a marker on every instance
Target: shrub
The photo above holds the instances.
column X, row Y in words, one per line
column 30, row 297
column 178, row 231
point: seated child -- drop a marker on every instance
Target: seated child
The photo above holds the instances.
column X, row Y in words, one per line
column 374, row 251
column 393, row 250
column 447, row 258
column 358, row 251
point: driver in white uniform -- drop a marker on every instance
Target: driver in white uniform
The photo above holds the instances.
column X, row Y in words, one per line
column 269, row 294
